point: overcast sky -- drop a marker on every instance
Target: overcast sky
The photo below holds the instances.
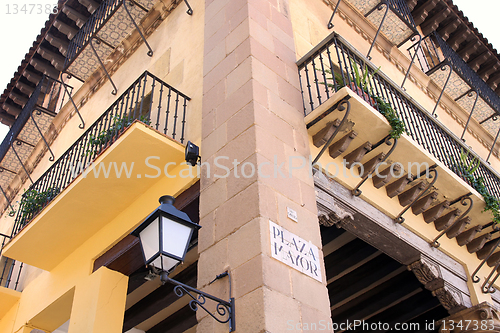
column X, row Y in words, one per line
column 20, row 30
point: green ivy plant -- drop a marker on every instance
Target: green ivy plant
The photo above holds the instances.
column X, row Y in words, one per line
column 33, row 201
column 397, row 125
column 118, row 125
column 467, row 167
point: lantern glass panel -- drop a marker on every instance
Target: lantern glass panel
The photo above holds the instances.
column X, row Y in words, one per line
column 175, row 237
column 164, row 263
column 149, row 239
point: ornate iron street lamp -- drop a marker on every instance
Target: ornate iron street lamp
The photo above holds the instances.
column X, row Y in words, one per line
column 165, row 236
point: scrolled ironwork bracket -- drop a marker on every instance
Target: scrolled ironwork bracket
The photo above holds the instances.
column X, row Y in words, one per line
column 356, row 191
column 378, row 7
column 51, row 158
column 12, row 210
column 443, row 68
column 330, row 24
column 493, row 146
column 476, row 279
column 339, row 107
column 150, row 52
column 400, row 219
column 488, row 287
column 463, row 200
column 82, row 125
column 419, row 45
column 20, row 161
column 470, row 114
column 225, row 309
column 190, row 10
column 115, row 90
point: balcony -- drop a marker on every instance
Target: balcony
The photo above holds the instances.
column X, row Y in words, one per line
column 29, row 128
column 109, row 25
column 391, row 17
column 43, row 235
column 440, row 62
column 10, row 274
column 10, row 270
column 348, row 104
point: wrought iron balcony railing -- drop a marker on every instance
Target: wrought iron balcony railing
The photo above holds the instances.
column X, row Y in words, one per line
column 332, row 65
column 148, row 99
column 399, row 27
column 10, row 270
column 402, row 9
column 90, row 28
column 48, row 97
column 436, row 53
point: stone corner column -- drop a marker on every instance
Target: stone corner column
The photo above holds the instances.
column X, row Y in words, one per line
column 254, row 137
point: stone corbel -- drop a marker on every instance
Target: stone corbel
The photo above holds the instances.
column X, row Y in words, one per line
column 450, row 298
column 429, row 274
column 335, row 216
column 481, row 318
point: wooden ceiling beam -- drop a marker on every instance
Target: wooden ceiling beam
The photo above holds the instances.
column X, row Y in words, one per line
column 421, row 13
column 361, row 280
column 432, row 23
column 180, row 321
column 407, row 310
column 159, row 299
column 469, row 49
column 445, row 30
column 479, row 60
column 347, row 258
column 458, row 37
column 378, row 299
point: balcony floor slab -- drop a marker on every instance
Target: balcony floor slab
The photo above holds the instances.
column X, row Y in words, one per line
column 372, row 126
column 90, row 202
column 8, row 298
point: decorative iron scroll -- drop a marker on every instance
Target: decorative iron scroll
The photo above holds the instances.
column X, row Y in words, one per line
column 225, row 310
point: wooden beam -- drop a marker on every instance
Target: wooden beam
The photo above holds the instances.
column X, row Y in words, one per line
column 380, row 297
column 488, row 68
column 407, row 310
column 367, row 277
column 346, row 257
column 432, row 23
column 421, row 13
column 159, row 299
column 479, row 60
column 461, row 34
column 178, row 322
column 354, row 266
column 469, row 49
column 448, row 28
column 188, row 196
column 328, row 234
column 126, row 256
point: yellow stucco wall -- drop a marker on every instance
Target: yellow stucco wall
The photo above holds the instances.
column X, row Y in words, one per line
column 310, row 20
column 177, row 60
column 310, row 27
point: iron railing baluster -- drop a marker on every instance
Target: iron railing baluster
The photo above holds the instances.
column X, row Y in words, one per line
column 129, row 106
column 420, row 126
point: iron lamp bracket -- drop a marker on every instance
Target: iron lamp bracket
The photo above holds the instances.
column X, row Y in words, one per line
column 225, row 309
